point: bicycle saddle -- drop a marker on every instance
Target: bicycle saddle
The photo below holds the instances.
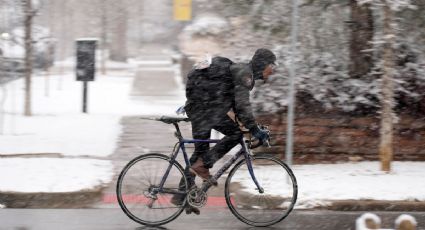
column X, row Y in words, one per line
column 167, row 119
column 171, row 120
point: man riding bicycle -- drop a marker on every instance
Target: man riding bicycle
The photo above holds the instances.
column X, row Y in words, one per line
column 215, row 93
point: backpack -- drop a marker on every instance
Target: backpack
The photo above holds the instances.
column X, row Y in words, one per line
column 212, row 85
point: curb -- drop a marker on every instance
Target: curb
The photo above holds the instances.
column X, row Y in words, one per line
column 85, row 199
column 339, row 205
column 78, row 199
column 75, row 199
column 375, row 205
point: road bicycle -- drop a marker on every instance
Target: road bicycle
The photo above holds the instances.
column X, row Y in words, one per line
column 260, row 190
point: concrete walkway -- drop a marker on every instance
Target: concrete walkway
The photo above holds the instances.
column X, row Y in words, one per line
column 158, row 82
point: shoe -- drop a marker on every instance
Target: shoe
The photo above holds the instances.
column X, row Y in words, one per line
column 199, row 169
column 189, row 210
column 177, row 199
column 204, row 173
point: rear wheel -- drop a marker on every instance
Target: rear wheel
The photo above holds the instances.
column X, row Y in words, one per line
column 137, row 189
column 261, row 209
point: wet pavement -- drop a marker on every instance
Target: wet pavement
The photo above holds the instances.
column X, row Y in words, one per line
column 92, row 219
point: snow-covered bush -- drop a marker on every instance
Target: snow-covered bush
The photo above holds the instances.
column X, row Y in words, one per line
column 322, row 60
column 208, row 24
column 322, row 80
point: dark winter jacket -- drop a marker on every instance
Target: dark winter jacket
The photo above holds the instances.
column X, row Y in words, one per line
column 232, row 87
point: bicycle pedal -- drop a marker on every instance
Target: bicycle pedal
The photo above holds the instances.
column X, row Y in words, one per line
column 212, row 181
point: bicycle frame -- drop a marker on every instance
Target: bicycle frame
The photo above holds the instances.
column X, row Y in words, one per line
column 207, row 184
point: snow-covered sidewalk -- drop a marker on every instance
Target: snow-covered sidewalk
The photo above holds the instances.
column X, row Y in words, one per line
column 320, row 184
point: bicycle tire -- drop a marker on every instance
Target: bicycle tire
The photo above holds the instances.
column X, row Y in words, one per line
column 126, row 196
column 240, row 191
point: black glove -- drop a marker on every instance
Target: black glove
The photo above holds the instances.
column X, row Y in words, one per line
column 260, row 134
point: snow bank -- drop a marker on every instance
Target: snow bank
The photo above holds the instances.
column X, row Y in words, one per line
column 362, row 180
column 53, row 175
column 321, row 183
column 59, row 126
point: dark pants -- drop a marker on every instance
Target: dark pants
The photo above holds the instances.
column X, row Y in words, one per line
column 202, row 124
column 201, row 129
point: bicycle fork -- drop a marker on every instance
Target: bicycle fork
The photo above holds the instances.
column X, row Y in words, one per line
column 248, row 160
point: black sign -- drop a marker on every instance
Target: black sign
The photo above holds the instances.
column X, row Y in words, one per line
column 86, row 60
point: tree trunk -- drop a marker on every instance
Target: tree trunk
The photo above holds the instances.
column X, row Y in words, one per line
column 118, row 45
column 140, row 25
column 362, row 28
column 28, row 12
column 49, row 54
column 386, row 142
column 103, row 35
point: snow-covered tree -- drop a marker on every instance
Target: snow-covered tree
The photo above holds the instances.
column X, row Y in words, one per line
column 389, row 72
column 324, row 78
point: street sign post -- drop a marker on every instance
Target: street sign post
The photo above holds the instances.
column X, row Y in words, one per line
column 86, row 65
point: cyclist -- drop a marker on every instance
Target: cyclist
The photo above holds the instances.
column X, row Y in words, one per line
column 215, row 92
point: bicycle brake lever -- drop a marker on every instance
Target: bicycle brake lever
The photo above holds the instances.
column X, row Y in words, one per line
column 267, row 143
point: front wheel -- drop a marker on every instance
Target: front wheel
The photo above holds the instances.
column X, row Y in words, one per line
column 138, row 192
column 251, row 206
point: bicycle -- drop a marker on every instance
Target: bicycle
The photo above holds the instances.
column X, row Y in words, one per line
column 255, row 199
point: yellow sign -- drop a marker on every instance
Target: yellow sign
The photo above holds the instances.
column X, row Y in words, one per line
column 182, row 10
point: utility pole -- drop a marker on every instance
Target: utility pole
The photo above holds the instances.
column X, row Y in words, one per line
column 292, row 90
column 104, row 38
column 29, row 14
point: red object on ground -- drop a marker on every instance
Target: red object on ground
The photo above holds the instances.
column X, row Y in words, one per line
column 112, row 199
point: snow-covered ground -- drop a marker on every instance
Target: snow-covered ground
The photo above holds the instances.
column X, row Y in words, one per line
column 111, row 65
column 58, row 126
column 53, row 174
column 321, row 183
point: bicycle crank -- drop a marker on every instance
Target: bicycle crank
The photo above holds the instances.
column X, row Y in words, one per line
column 197, row 198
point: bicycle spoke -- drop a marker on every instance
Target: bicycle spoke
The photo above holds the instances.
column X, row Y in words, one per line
column 252, row 207
column 159, row 204
column 147, row 178
column 137, row 183
column 143, row 182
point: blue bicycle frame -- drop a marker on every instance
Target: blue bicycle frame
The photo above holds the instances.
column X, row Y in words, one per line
column 207, row 184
